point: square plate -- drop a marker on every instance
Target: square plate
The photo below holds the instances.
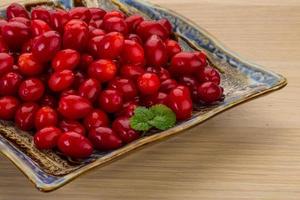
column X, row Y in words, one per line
column 241, row 80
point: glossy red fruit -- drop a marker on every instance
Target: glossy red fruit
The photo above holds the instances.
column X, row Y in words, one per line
column 97, row 13
column 96, row 24
column 173, row 47
column 124, row 86
column 65, row 59
column 49, row 101
column 82, row 13
column 209, row 74
column 104, row 139
column 3, row 45
column 74, row 126
column 74, row 145
column 133, row 21
column 157, row 98
column 39, row 27
column 180, row 103
column 185, row 63
column 90, row 89
column 76, row 23
column 110, row 47
column 135, row 37
column 162, row 73
column 61, row 80
column 74, row 107
column 128, row 109
column 41, row 13
column 8, row 107
column 80, row 77
column 26, row 47
column 59, row 18
column 45, row 117
column 113, row 13
column 15, row 34
column 202, row 57
column 189, row 81
column 146, row 29
column 121, row 126
column 96, row 119
column 16, row 10
column 148, row 83
column 94, row 44
column 102, row 70
column 131, row 71
column 209, row 92
column 31, row 89
column 68, row 92
column 156, row 52
column 115, row 24
column 168, row 85
column 85, row 61
column 167, row 24
column 47, row 137
column 23, row 20
column 9, row 83
column 96, row 32
column 24, row 117
column 110, row 101
column 6, row 63
column 132, row 53
column 29, row 65
column 75, row 36
column 46, row 45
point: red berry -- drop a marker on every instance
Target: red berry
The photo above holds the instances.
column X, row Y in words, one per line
column 173, row 47
column 132, row 53
column 133, row 21
column 113, row 13
column 41, row 13
column 24, row 117
column 16, row 10
column 168, row 85
column 180, row 103
column 209, row 92
column 47, row 137
column 166, row 23
column 2, row 23
column 124, row 86
column 6, row 63
column 65, row 59
column 202, row 56
column 156, row 52
column 111, row 45
column 97, row 13
column 121, row 126
column 104, row 139
column 27, row 46
column 135, row 37
column 15, row 34
column 45, row 117
column 95, row 119
column 8, row 107
column 9, row 83
column 96, row 32
column 29, row 65
column 90, row 89
column 82, row 13
column 75, row 23
column 31, row 89
column 128, row 109
column 148, row 83
column 59, row 18
column 74, row 145
column 74, row 107
column 23, row 20
column 157, row 98
column 85, row 61
column 209, row 74
column 39, row 27
column 131, row 71
column 110, row 101
column 102, row 70
column 3, row 45
column 75, row 36
column 94, row 44
column 160, row 71
column 61, row 80
column 68, row 92
column 146, row 29
column 185, row 63
column 74, row 126
column 115, row 24
column 45, row 46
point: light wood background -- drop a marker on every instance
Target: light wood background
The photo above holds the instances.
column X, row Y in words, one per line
column 250, row 152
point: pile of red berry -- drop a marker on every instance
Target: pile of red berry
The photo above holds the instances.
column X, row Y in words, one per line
column 75, row 77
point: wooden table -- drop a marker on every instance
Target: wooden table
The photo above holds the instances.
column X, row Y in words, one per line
column 250, row 152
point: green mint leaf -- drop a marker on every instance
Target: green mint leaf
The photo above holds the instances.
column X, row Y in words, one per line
column 164, row 118
column 139, row 121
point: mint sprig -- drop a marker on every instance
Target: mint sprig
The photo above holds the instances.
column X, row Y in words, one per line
column 158, row 116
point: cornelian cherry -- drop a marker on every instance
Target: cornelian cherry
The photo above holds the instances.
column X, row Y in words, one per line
column 6, row 63
column 45, row 117
column 90, row 89
column 9, row 83
column 209, row 74
column 156, row 52
column 110, row 100
column 104, row 139
column 124, row 86
column 8, row 107
column 209, row 92
column 16, row 10
column 111, row 45
column 29, row 65
column 41, row 13
column 102, row 70
column 61, row 80
column 47, row 137
column 131, row 71
column 74, row 107
column 115, row 24
column 148, row 83
column 132, row 53
column 95, row 119
column 24, row 117
column 97, row 13
column 39, row 27
column 31, row 89
column 71, row 125
column 59, row 18
column 65, row 59
column 82, row 13
column 121, row 126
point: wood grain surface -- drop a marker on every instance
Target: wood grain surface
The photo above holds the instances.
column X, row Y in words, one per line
column 250, row 152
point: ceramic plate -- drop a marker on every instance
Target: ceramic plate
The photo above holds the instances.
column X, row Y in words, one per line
column 241, row 80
